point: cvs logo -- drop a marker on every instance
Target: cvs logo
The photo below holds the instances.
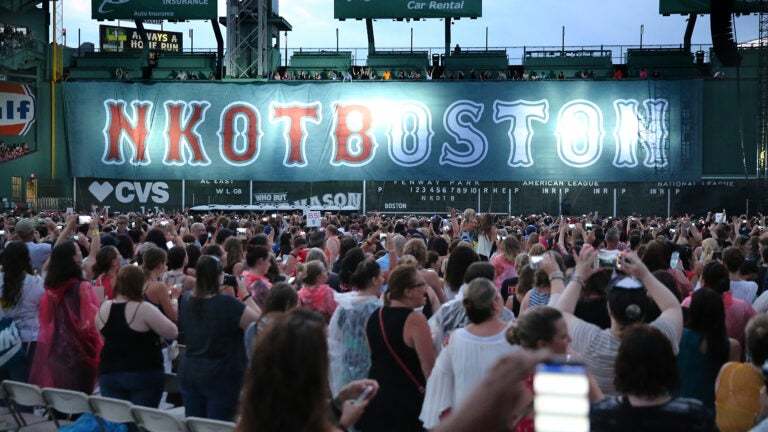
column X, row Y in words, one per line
column 128, row 192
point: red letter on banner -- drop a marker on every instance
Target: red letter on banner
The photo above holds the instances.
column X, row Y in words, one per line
column 176, row 131
column 345, row 137
column 119, row 126
column 249, row 134
column 296, row 116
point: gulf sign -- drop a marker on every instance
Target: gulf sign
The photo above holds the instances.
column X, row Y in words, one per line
column 17, row 109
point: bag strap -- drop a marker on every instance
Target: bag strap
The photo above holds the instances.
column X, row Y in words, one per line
column 399, row 361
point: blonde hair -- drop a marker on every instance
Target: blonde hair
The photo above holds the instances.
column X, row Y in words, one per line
column 408, row 259
column 708, row 246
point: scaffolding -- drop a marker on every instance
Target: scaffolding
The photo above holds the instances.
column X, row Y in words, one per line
column 762, row 83
column 253, row 42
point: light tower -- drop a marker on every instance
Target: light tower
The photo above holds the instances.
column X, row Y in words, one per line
column 253, row 37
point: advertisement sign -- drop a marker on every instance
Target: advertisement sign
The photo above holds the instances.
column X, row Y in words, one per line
column 128, row 195
column 122, row 39
column 354, row 9
column 17, row 108
column 668, row 7
column 153, row 9
column 506, row 131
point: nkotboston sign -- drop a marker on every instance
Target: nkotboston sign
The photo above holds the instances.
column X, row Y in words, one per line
column 504, row 131
column 153, row 9
column 354, row 9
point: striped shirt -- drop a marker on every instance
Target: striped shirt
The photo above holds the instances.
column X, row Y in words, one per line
column 598, row 349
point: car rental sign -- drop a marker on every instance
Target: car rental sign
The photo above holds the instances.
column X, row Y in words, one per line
column 499, row 130
column 354, row 9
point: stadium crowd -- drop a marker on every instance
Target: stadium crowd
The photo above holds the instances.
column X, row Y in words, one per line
column 360, row 73
column 12, row 151
column 384, row 323
column 13, row 40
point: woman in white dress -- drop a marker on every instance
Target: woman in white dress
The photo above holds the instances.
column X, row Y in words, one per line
column 470, row 352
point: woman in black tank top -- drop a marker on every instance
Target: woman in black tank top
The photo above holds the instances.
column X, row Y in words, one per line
column 131, row 362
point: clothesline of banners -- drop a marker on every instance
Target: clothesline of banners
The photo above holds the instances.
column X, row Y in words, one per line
column 417, row 197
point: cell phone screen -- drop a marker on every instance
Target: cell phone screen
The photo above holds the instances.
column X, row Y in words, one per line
column 561, row 401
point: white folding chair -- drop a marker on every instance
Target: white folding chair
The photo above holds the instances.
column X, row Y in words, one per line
column 25, row 395
column 66, row 402
column 198, row 424
column 157, row 420
column 111, row 409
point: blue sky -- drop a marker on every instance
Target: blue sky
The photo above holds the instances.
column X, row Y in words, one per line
column 509, row 22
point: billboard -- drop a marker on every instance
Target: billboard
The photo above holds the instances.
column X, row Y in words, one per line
column 122, row 39
column 617, row 130
column 17, row 108
column 431, row 197
column 685, row 7
column 354, row 9
column 153, row 9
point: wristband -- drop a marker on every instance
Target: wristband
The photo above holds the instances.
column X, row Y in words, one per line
column 95, row 232
column 556, row 275
column 576, row 278
column 247, row 297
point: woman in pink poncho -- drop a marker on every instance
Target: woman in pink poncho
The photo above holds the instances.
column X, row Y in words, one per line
column 68, row 345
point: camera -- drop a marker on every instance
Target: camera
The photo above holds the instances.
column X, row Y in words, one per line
column 536, row 261
column 230, row 280
column 83, row 220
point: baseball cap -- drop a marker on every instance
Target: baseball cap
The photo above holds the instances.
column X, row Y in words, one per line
column 24, row 227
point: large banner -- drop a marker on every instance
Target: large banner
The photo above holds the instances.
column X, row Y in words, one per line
column 153, row 9
column 667, row 7
column 356, row 9
column 634, row 130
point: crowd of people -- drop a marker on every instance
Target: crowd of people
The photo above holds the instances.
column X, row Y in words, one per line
column 386, row 323
column 360, row 73
column 10, row 152
column 13, row 39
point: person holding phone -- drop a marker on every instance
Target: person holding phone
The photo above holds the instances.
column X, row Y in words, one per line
column 213, row 324
column 627, row 305
column 541, row 328
column 276, row 398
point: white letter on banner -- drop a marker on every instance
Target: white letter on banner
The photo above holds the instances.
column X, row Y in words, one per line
column 627, row 133
column 521, row 114
column 579, row 133
column 465, row 134
column 654, row 133
column 411, row 133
